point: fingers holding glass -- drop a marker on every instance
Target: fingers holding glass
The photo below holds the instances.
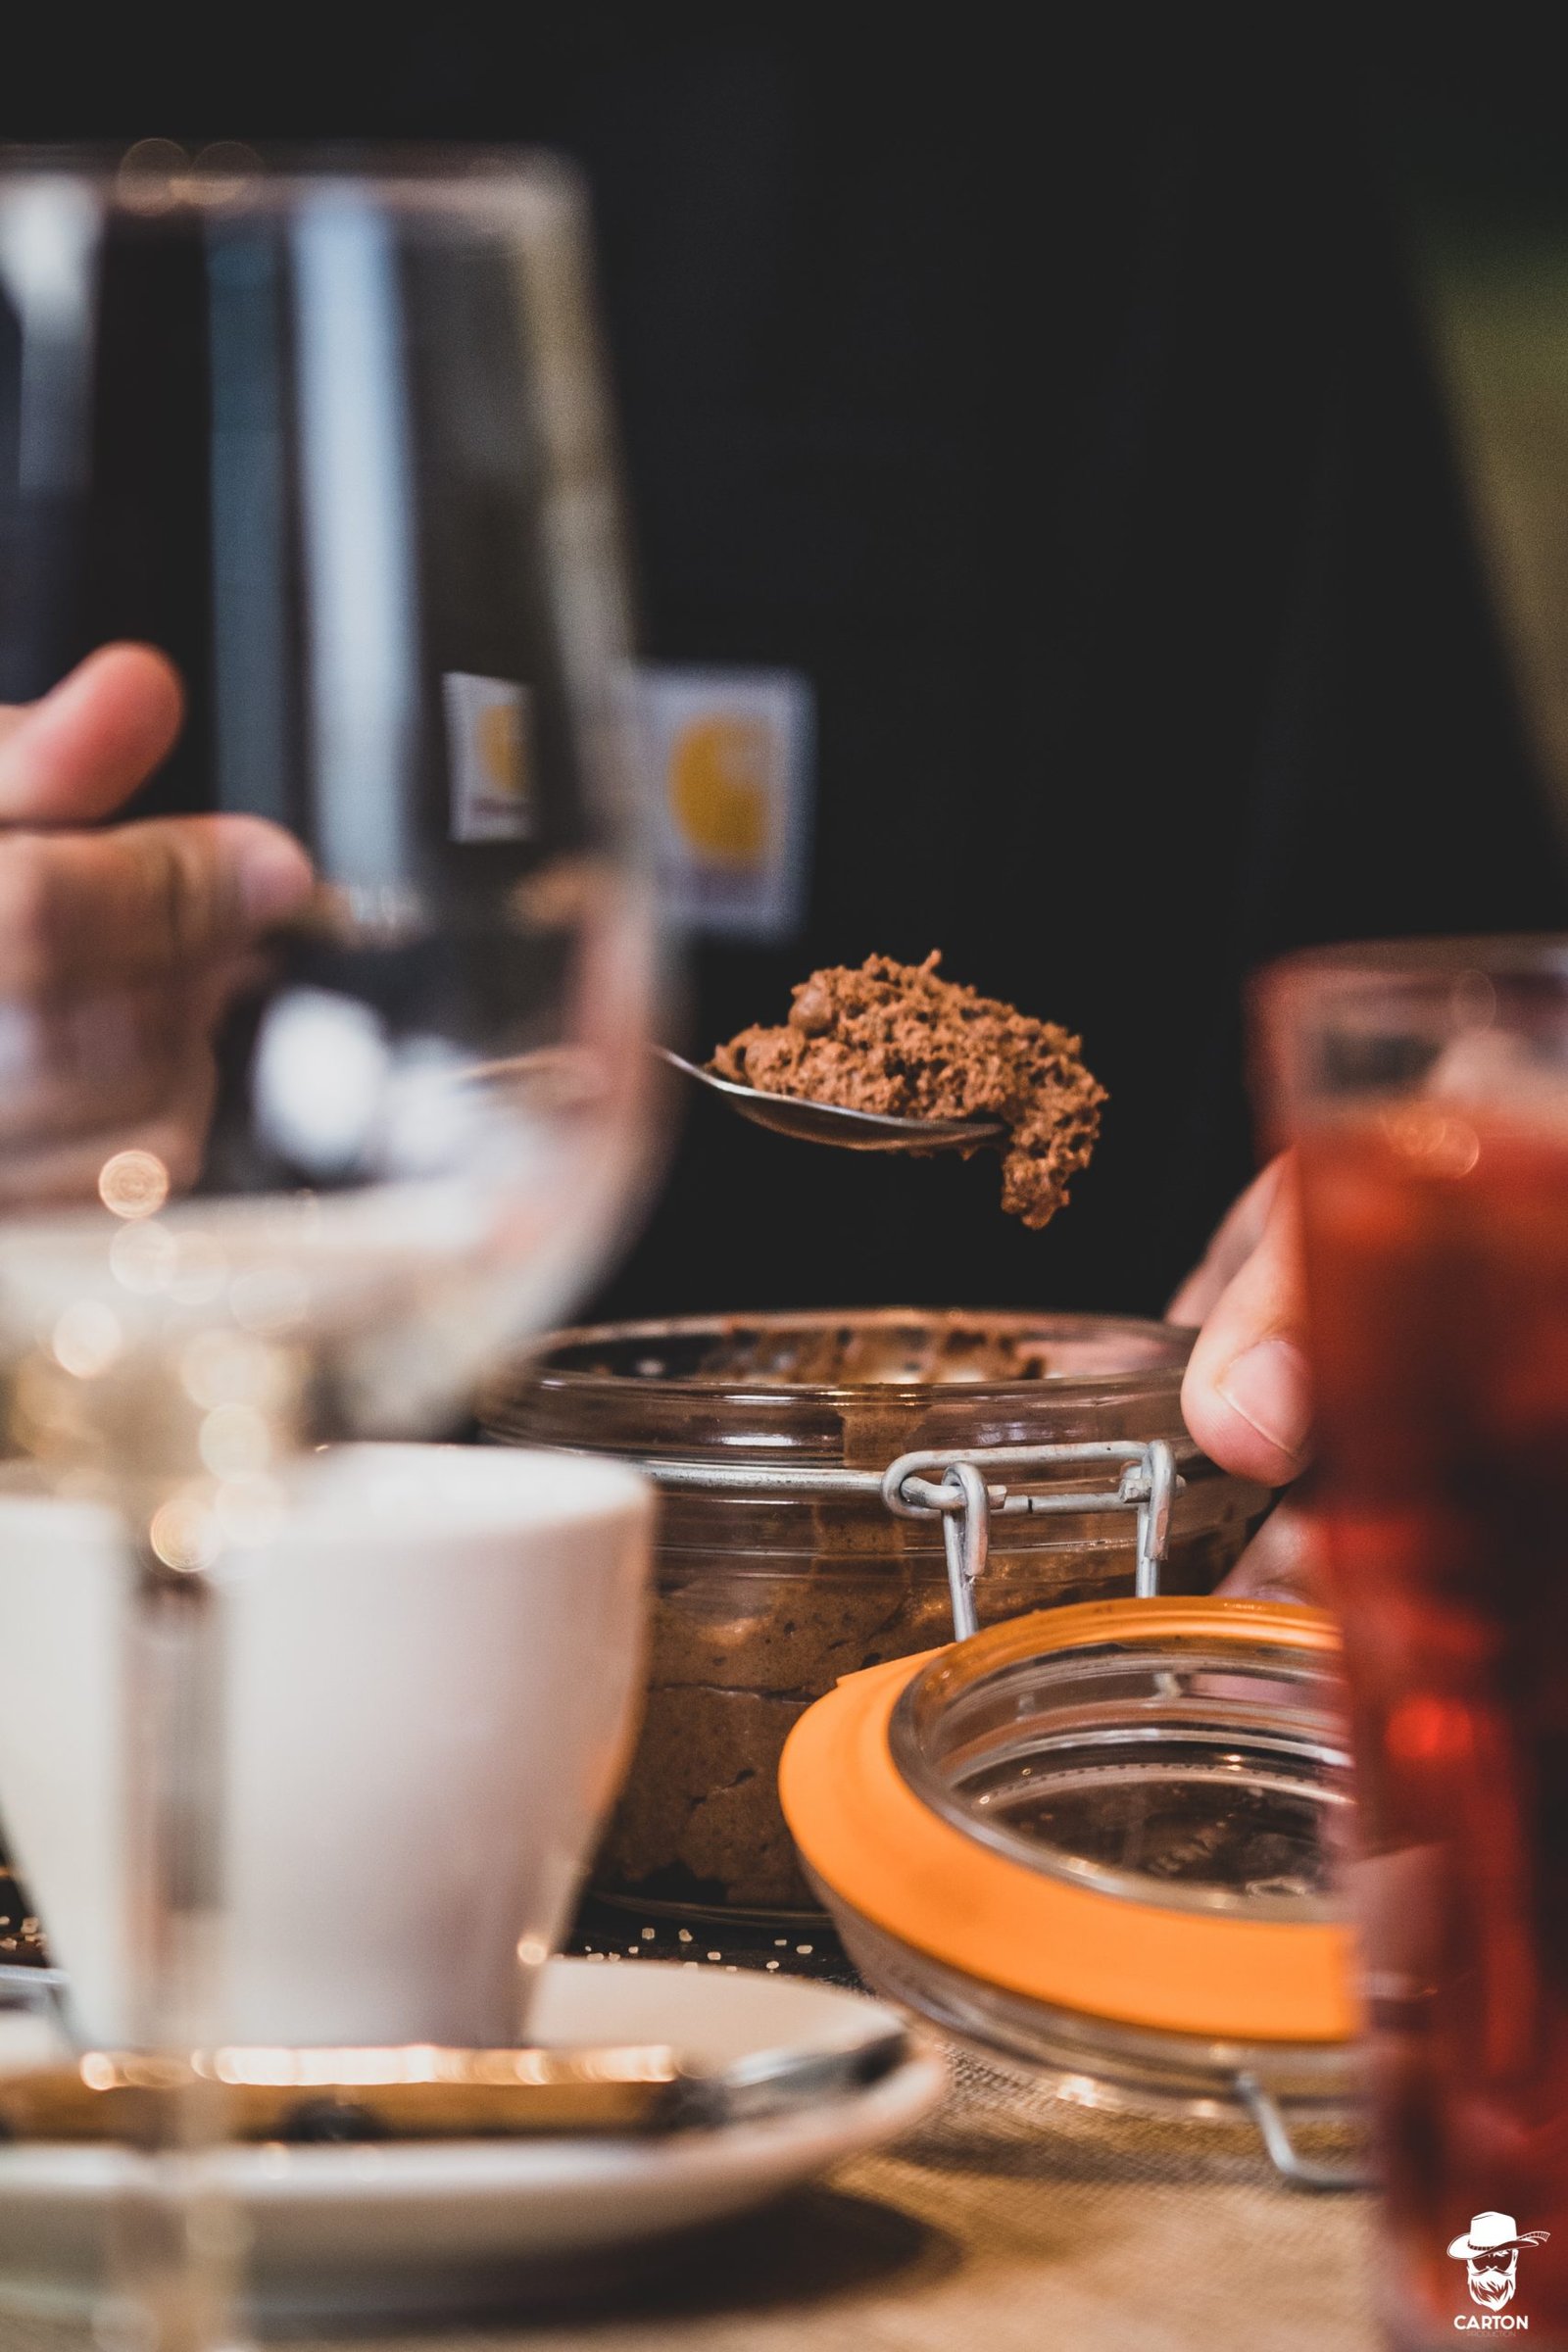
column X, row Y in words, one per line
column 121, row 949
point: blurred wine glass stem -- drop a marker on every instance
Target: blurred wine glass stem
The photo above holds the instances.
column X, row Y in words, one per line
column 178, row 2239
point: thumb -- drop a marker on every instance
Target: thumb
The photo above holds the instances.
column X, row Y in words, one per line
column 81, row 751
column 143, row 903
column 1246, row 1396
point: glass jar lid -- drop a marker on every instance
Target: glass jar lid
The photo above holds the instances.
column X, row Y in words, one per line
column 1178, row 1768
column 1125, row 1808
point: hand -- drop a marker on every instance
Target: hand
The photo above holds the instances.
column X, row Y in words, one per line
column 1247, row 1398
column 120, row 948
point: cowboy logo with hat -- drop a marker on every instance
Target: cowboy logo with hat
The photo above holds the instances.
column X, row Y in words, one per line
column 1490, row 2251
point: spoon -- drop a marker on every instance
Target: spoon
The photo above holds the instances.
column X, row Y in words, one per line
column 831, row 1123
column 427, row 2093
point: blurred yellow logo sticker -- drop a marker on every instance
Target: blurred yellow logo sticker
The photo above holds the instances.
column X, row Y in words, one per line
column 719, row 770
column 732, row 751
column 489, row 758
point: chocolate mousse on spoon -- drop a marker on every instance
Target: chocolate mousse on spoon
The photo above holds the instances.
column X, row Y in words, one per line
column 891, row 1057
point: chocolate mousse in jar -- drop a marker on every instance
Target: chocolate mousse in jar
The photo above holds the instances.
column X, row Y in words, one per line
column 781, row 1563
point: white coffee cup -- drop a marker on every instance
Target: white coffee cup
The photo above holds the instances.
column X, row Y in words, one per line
column 432, row 1674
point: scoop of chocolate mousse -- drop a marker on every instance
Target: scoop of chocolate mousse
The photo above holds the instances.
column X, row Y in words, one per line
column 898, row 1038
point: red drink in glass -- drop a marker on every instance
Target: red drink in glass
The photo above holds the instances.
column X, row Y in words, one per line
column 1437, row 1240
column 1426, row 1087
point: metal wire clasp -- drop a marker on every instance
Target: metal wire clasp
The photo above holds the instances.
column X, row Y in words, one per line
column 964, row 1501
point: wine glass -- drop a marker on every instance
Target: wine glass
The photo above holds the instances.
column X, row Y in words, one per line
column 332, row 434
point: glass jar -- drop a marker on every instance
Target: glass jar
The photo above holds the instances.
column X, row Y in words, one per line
column 1102, row 1843
column 792, row 1570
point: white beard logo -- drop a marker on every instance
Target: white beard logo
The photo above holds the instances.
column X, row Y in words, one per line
column 1490, row 2250
column 1492, row 2283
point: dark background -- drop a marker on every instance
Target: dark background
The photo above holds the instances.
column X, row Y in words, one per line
column 1052, row 395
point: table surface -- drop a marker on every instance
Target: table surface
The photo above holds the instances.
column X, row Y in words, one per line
column 1007, row 2222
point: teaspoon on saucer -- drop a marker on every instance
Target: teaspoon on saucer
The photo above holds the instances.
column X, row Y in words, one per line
column 427, row 2093
column 831, row 1123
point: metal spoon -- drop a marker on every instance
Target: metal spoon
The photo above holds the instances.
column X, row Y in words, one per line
column 830, row 1123
column 314, row 2096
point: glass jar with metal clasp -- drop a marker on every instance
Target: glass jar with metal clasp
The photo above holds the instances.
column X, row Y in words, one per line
column 835, row 1489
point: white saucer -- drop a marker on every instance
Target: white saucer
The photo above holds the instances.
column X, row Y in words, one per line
column 419, row 2230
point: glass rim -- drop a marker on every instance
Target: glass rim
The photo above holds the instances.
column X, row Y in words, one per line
column 1426, row 991
column 157, row 178
column 539, row 1365
column 1502, row 955
column 959, row 1676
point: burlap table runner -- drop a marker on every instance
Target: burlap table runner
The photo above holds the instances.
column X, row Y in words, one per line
column 1006, row 2222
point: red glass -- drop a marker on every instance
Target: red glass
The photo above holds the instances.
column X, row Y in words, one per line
column 1435, row 1215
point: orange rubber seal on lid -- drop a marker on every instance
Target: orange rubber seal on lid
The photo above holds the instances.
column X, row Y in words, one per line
column 883, row 1852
